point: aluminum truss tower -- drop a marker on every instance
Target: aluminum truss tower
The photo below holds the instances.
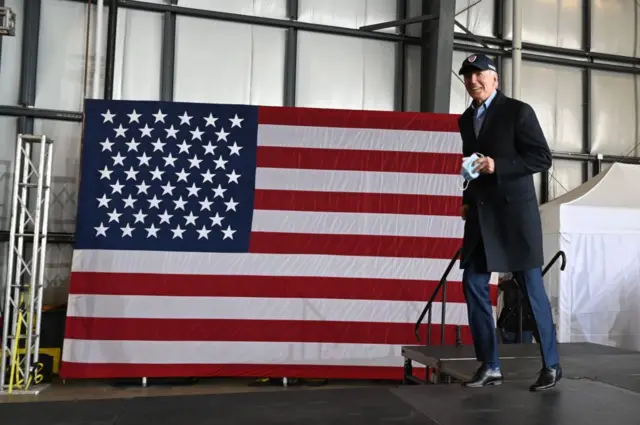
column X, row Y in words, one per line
column 25, row 267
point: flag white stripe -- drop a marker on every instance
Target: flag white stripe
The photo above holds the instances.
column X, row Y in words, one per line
column 217, row 263
column 222, row 352
column 359, row 139
column 357, row 224
column 358, row 182
column 248, row 308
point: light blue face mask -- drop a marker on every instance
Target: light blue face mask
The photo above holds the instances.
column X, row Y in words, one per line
column 468, row 171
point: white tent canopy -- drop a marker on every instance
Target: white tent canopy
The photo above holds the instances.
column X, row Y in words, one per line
column 597, row 297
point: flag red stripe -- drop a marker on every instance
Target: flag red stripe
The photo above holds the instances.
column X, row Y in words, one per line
column 376, row 203
column 69, row 370
column 129, row 329
column 358, row 245
column 358, row 160
column 383, row 120
column 140, row 284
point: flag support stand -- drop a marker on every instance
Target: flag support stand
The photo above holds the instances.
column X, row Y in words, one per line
column 22, row 312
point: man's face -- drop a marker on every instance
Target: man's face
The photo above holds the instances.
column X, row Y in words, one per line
column 480, row 84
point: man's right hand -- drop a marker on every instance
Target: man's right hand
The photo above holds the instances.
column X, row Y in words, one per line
column 463, row 211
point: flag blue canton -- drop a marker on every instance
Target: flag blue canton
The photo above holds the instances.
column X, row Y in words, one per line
column 167, row 176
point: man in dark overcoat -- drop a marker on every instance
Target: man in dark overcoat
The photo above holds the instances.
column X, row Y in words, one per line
column 503, row 231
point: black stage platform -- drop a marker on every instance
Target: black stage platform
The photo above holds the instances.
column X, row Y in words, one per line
column 522, row 361
column 601, row 386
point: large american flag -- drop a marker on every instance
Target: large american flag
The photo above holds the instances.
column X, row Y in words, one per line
column 238, row 240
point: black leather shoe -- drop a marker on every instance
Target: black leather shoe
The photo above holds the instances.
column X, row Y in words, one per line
column 485, row 376
column 547, row 379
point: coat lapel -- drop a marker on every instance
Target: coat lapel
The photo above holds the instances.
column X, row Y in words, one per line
column 491, row 111
column 467, row 125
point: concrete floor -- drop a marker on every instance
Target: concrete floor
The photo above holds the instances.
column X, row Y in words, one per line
column 87, row 390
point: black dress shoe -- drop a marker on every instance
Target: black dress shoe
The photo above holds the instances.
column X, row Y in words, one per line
column 485, row 376
column 547, row 379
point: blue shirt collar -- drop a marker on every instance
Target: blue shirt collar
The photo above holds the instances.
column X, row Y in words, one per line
column 487, row 102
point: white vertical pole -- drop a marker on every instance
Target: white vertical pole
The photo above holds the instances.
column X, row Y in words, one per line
column 98, row 50
column 517, row 49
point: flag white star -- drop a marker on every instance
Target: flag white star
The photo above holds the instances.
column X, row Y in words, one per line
column 152, row 231
column 222, row 135
column 196, row 134
column 105, row 173
column 167, row 189
column 211, row 121
column 217, row 220
column 235, row 121
column 235, row 149
column 190, row 219
column 171, row 132
column 120, row 131
column 184, row 147
column 203, row 233
column 195, row 162
column 108, row 116
column 219, row 191
column 155, row 202
column 207, row 177
column 182, row 175
column 101, row 230
column 231, row 205
column 144, row 159
column 142, row 188
column 165, row 217
column 118, row 159
column 180, row 203
column 129, row 201
column 233, row 177
column 169, row 160
column 193, row 190
column 159, row 116
column 146, row 131
column 228, row 233
column 104, row 201
column 220, row 163
column 177, row 232
column 127, row 231
column 205, row 205
column 140, row 216
column 133, row 145
column 157, row 174
column 131, row 174
column 114, row 216
column 106, row 145
column 209, row 148
column 185, row 119
column 133, row 117
column 157, row 146
column 117, row 187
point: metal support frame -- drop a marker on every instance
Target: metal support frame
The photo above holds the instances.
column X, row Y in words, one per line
column 291, row 56
column 109, row 64
column 7, row 21
column 437, row 52
column 400, row 22
column 400, row 80
column 167, row 68
column 25, row 276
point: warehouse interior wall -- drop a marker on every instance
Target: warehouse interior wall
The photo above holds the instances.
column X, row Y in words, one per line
column 237, row 62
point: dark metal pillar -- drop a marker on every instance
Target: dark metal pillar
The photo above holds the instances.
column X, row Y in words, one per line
column 498, row 32
column 1, row 5
column 586, row 88
column 401, row 53
column 167, row 70
column 29, row 63
column 437, row 56
column 291, row 56
column 110, row 60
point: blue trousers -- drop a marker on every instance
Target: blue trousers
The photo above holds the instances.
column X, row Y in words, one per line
column 485, row 341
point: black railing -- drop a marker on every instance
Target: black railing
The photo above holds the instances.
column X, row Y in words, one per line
column 442, row 284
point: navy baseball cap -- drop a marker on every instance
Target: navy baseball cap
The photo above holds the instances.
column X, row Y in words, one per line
column 477, row 63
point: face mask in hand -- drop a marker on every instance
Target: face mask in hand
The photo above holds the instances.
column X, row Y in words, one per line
column 468, row 171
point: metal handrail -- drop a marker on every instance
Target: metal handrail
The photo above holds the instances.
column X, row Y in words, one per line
column 427, row 309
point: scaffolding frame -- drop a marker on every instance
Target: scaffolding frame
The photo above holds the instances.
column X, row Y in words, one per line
column 24, row 283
